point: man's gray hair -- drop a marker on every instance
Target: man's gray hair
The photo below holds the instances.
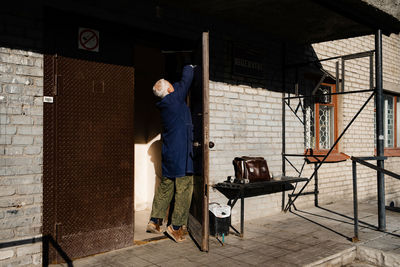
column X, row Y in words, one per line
column 160, row 88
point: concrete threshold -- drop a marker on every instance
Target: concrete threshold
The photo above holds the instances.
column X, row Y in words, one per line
column 378, row 257
column 342, row 258
column 359, row 256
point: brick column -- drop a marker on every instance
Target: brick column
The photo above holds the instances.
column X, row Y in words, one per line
column 21, row 143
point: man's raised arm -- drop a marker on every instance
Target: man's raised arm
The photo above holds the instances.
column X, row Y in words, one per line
column 184, row 84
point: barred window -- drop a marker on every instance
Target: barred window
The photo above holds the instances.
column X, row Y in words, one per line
column 388, row 120
column 321, row 119
column 391, row 124
column 326, row 127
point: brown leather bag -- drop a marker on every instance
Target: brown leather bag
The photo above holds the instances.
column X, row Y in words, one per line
column 251, row 169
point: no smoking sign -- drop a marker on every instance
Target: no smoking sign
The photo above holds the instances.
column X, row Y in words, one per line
column 88, row 39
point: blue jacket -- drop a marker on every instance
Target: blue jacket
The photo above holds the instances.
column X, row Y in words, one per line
column 177, row 133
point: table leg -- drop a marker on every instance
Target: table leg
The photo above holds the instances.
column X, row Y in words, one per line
column 241, row 217
column 232, row 203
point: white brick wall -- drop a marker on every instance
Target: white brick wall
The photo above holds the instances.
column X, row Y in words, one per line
column 21, row 135
column 359, row 141
column 250, row 124
column 247, row 121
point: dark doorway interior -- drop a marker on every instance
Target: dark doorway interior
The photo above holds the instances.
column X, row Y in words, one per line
column 153, row 61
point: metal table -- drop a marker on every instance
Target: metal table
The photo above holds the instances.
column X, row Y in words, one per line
column 234, row 191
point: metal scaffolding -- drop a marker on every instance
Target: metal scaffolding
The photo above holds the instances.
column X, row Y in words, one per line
column 376, row 91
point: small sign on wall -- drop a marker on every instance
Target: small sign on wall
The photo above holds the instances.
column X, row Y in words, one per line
column 88, row 39
column 247, row 62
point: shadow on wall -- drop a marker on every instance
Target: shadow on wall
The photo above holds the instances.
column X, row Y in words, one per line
column 47, row 240
column 154, row 152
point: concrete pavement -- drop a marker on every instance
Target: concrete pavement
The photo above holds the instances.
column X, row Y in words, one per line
column 317, row 236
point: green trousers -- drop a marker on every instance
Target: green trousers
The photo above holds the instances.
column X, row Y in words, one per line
column 183, row 197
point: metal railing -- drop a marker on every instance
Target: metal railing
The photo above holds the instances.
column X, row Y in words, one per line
column 362, row 161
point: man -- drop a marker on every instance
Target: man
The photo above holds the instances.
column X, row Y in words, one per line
column 177, row 153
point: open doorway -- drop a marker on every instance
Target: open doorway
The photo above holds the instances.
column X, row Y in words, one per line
column 153, row 63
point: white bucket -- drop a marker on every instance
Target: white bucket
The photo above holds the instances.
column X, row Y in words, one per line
column 220, row 210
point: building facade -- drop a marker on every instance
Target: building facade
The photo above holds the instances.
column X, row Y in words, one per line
column 248, row 121
column 245, row 107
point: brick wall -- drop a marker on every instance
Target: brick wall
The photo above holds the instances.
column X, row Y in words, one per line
column 21, row 91
column 21, row 136
column 247, row 121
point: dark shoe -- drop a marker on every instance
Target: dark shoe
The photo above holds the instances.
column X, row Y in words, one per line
column 153, row 227
column 176, row 235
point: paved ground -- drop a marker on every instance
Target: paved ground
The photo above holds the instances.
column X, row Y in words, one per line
column 310, row 237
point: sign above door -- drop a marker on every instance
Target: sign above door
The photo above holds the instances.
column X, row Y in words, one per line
column 88, row 39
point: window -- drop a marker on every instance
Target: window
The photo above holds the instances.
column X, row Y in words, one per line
column 326, row 109
column 321, row 119
column 388, row 120
column 321, row 124
column 391, row 124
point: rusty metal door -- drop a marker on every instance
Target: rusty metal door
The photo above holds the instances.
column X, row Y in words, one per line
column 88, row 157
column 198, row 218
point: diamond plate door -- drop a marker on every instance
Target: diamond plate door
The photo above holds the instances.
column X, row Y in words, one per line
column 93, row 159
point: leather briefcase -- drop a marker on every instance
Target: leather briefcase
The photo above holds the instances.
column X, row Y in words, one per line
column 250, row 169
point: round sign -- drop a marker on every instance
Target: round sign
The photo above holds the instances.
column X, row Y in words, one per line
column 89, row 39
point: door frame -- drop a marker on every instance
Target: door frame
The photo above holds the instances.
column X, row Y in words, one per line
column 199, row 230
column 206, row 138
